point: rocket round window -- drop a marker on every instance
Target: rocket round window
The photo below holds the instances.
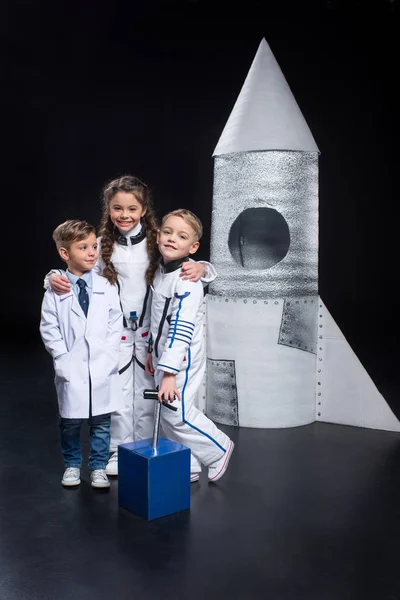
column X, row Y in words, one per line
column 259, row 238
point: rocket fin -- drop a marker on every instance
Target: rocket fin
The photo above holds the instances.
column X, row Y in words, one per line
column 266, row 115
column 345, row 392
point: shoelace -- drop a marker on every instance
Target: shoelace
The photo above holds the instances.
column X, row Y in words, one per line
column 71, row 471
column 99, row 474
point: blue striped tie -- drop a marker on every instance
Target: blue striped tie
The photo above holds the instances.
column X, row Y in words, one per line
column 83, row 296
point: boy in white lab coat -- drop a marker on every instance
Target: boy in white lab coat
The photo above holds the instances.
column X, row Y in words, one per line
column 82, row 331
column 178, row 356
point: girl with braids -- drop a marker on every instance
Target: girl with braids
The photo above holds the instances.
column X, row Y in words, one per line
column 128, row 245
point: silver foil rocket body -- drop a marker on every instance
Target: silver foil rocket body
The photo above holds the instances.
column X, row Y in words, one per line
column 262, row 310
column 264, row 232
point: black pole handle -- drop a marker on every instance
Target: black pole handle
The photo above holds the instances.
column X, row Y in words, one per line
column 153, row 395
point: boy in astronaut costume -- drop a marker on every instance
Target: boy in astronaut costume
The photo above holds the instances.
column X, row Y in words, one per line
column 177, row 351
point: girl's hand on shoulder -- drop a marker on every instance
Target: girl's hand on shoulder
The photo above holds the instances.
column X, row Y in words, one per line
column 193, row 271
column 59, row 284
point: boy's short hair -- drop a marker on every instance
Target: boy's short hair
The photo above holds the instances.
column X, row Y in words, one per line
column 71, row 231
column 189, row 218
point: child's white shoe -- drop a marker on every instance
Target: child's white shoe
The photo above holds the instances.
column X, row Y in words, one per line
column 194, row 477
column 218, row 468
column 99, row 479
column 72, row 476
column 112, row 465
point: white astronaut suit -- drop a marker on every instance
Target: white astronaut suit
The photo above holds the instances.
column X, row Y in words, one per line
column 178, row 346
column 131, row 260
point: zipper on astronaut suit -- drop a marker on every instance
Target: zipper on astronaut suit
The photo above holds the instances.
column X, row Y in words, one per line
column 120, row 303
column 161, row 325
column 144, row 306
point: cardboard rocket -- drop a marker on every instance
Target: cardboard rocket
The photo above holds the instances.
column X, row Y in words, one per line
column 275, row 357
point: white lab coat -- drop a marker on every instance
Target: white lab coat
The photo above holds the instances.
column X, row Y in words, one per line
column 83, row 347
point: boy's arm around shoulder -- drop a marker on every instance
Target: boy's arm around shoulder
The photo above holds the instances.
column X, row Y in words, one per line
column 185, row 304
column 50, row 327
column 115, row 324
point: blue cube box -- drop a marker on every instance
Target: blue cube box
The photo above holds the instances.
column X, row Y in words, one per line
column 153, row 484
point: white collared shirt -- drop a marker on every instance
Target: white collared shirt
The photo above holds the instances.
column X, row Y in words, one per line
column 87, row 277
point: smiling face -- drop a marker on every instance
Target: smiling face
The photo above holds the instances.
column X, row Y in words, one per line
column 80, row 256
column 125, row 211
column 176, row 239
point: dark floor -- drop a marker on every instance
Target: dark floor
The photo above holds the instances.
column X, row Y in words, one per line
column 307, row 513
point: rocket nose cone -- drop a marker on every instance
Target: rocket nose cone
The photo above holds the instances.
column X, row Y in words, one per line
column 259, row 238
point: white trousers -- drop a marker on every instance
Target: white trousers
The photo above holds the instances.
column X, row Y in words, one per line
column 135, row 421
column 191, row 427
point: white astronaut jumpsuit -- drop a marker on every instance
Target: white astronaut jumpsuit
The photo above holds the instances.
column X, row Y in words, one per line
column 131, row 260
column 179, row 348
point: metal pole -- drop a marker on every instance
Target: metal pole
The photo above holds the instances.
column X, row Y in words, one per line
column 157, row 414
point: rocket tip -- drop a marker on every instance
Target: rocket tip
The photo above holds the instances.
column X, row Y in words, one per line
column 266, row 115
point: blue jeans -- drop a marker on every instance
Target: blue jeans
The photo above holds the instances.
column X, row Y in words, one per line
column 99, row 431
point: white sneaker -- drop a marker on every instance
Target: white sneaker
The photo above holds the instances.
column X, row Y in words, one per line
column 194, row 477
column 72, row 476
column 99, row 479
column 218, row 468
column 112, row 465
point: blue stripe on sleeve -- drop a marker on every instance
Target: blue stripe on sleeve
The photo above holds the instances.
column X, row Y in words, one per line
column 168, row 367
column 176, row 321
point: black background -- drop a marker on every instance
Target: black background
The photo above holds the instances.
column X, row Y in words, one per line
column 92, row 90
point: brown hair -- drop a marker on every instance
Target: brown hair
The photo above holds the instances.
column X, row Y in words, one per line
column 189, row 218
column 108, row 231
column 70, row 231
